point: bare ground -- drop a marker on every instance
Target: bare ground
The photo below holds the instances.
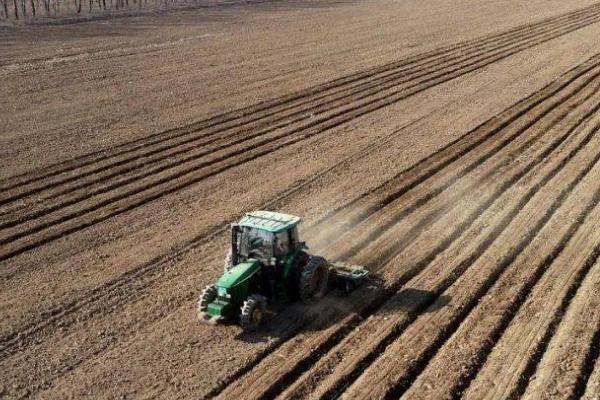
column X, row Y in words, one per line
column 451, row 149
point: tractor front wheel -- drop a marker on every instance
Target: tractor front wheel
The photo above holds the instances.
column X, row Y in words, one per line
column 313, row 279
column 253, row 312
column 209, row 294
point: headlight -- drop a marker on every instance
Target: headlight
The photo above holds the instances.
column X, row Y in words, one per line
column 222, row 292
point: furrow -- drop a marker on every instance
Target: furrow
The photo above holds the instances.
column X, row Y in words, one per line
column 263, row 383
column 301, row 112
column 464, row 295
column 271, row 106
column 334, row 120
column 374, row 225
column 562, row 372
column 149, row 156
column 143, row 274
column 470, row 339
column 113, row 293
column 344, row 363
column 437, row 273
column 163, row 152
column 532, row 327
column 371, row 201
column 592, row 379
column 135, row 164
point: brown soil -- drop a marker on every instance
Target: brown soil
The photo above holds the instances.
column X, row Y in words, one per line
column 453, row 150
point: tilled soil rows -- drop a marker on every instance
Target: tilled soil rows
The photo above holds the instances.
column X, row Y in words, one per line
column 453, row 231
column 74, row 195
column 483, row 244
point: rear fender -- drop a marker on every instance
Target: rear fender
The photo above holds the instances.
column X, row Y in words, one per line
column 290, row 260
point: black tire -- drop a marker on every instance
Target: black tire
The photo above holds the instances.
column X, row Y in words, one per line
column 208, row 295
column 294, row 283
column 314, row 277
column 253, row 312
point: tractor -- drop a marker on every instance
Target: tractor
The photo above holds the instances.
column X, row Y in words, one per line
column 267, row 263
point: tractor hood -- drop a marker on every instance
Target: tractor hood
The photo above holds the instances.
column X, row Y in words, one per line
column 238, row 274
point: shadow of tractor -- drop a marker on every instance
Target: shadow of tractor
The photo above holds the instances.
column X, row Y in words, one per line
column 343, row 310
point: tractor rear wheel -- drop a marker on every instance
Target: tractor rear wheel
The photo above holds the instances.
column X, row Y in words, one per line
column 209, row 294
column 253, row 312
column 314, row 276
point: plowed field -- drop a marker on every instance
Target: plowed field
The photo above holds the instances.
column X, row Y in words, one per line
column 452, row 148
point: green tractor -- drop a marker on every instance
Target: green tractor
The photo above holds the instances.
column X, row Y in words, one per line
column 267, row 262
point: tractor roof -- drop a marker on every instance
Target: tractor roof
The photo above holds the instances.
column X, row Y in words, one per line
column 269, row 221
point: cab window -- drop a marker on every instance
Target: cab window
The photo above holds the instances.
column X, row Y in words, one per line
column 282, row 243
column 294, row 238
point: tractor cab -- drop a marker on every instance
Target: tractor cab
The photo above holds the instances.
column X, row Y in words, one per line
column 265, row 236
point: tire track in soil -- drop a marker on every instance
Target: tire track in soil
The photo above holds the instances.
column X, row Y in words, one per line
column 106, row 207
column 310, row 102
column 112, row 293
column 583, row 388
column 591, row 378
column 485, row 321
column 367, row 241
column 565, row 365
column 133, row 278
column 269, row 105
column 382, row 225
column 517, row 385
column 332, row 336
column 274, row 386
column 403, row 371
column 8, row 224
column 343, row 365
column 370, row 202
column 103, row 301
